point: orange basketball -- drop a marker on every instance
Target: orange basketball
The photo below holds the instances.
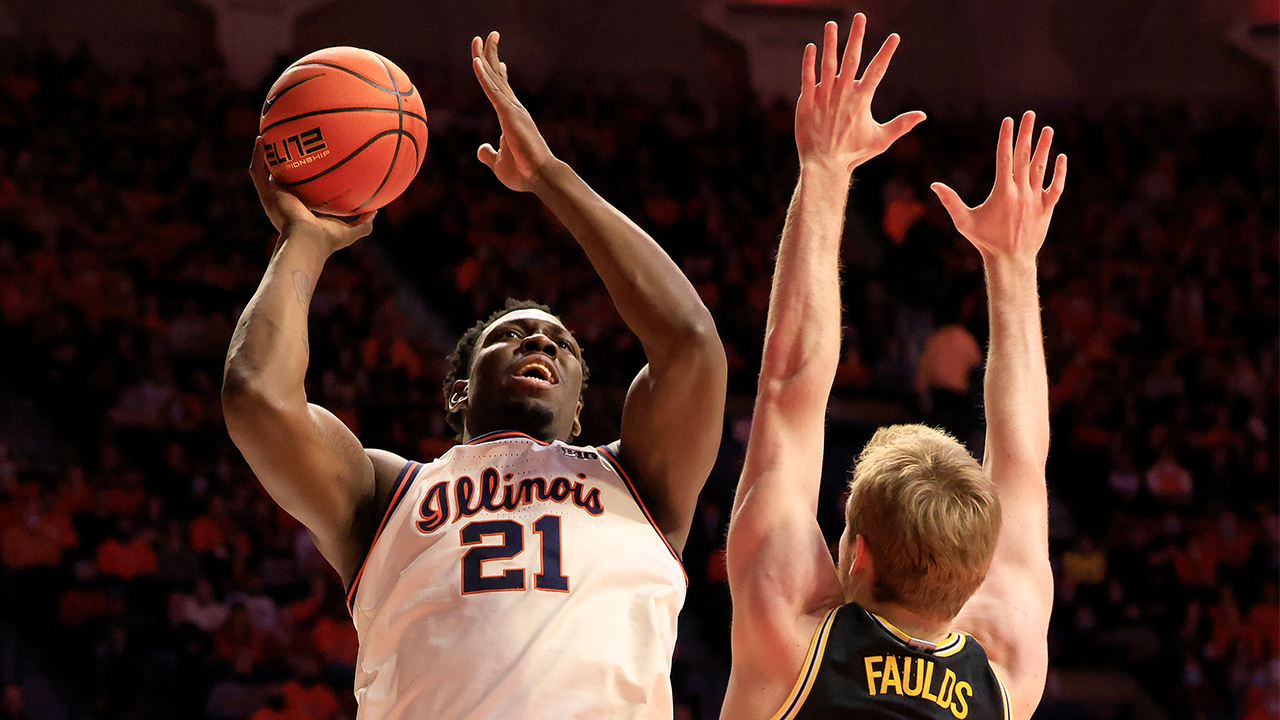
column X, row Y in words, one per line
column 344, row 130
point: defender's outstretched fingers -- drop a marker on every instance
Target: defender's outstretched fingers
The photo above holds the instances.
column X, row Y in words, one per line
column 491, row 49
column 830, row 42
column 1004, row 153
column 808, row 74
column 1059, row 181
column 853, row 48
column 487, row 83
column 487, row 155
column 1040, row 159
column 880, row 63
column 954, row 206
column 902, row 124
column 1022, row 150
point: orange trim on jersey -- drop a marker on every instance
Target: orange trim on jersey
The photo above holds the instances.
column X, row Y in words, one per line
column 1004, row 693
column 809, row 672
column 503, row 435
column 626, row 479
column 398, row 490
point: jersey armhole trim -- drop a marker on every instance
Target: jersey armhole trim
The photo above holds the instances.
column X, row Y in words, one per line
column 398, row 491
column 808, row 673
column 1004, row 692
column 608, row 455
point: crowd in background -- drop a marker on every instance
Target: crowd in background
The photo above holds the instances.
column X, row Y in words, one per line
column 146, row 574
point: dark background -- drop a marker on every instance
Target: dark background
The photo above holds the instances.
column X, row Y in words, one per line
column 146, row 575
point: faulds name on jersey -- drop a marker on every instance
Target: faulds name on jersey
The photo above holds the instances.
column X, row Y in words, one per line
column 894, row 674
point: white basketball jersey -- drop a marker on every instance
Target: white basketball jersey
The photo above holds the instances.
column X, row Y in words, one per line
column 513, row 578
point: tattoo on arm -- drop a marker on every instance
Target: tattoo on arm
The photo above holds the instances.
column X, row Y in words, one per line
column 303, row 289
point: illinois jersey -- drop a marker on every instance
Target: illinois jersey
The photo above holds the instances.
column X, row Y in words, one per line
column 516, row 578
column 860, row 666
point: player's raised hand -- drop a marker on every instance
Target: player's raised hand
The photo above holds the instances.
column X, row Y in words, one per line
column 521, row 152
column 1014, row 219
column 833, row 115
column 287, row 213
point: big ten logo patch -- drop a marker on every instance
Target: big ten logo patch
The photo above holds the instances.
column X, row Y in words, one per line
column 297, row 150
column 579, row 454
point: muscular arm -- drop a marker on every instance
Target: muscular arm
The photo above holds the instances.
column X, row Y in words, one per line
column 1010, row 612
column 306, row 458
column 781, row 574
column 674, row 410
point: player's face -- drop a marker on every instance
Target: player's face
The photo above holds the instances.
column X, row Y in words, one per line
column 526, row 375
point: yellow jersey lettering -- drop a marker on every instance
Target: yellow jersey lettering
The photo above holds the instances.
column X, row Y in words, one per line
column 961, row 712
column 948, row 687
column 872, row 673
column 890, row 675
column 928, row 680
column 907, row 676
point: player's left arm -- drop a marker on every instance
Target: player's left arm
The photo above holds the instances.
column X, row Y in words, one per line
column 1009, row 615
column 674, row 411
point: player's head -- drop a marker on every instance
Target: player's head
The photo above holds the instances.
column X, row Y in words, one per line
column 929, row 518
column 519, row 369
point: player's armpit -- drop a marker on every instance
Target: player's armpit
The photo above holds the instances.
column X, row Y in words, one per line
column 309, row 462
column 1009, row 616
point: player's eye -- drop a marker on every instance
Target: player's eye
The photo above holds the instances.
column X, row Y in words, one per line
column 563, row 344
column 510, row 334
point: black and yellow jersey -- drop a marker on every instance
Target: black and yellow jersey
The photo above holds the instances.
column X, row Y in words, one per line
column 860, row 666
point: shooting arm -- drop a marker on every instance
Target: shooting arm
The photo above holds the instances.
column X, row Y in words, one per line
column 307, row 460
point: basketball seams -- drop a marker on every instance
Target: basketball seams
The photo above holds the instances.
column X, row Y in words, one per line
column 332, row 111
column 392, row 90
column 395, row 155
column 304, row 120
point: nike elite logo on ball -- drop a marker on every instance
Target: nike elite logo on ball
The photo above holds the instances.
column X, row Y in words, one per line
column 297, row 150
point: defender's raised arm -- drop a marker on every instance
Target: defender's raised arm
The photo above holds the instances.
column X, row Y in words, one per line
column 780, row 571
column 1010, row 612
column 674, row 410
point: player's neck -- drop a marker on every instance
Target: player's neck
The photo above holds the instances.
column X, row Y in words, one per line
column 913, row 624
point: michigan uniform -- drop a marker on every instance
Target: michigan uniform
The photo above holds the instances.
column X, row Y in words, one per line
column 516, row 578
column 860, row 666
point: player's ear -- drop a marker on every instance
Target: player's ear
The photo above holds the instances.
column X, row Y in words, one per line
column 860, row 559
column 577, row 424
column 457, row 399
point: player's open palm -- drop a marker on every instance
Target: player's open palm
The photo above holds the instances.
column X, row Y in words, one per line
column 833, row 115
column 1014, row 219
column 288, row 213
column 522, row 151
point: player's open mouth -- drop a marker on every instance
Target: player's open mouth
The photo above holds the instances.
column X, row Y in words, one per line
column 536, row 371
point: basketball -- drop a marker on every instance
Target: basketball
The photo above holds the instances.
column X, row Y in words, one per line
column 344, row 130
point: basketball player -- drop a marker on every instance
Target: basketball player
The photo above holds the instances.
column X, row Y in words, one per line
column 517, row 575
column 930, row 611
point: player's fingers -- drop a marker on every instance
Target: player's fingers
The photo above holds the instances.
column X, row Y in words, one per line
column 477, row 46
column 807, row 71
column 1004, row 152
column 951, row 201
column 491, row 49
column 1022, row 148
column 880, row 63
column 487, row 82
column 853, row 47
column 1059, row 182
column 486, row 154
column 258, row 168
column 902, row 124
column 1040, row 158
column 830, row 41
column 363, row 225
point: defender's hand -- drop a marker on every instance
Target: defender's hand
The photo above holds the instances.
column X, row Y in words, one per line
column 288, row 214
column 833, row 117
column 521, row 153
column 1014, row 219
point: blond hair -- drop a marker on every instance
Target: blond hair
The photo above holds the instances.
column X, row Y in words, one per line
column 929, row 516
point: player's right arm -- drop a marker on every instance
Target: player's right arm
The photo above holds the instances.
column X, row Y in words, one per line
column 1009, row 614
column 780, row 571
column 305, row 457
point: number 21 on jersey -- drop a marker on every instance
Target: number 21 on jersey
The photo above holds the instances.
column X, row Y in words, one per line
column 549, row 577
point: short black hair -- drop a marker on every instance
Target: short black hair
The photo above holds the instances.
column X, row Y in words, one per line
column 464, row 351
